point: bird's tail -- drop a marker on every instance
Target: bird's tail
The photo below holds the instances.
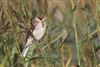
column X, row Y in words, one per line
column 27, row 46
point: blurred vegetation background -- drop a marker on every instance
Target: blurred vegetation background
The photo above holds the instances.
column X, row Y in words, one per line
column 72, row 37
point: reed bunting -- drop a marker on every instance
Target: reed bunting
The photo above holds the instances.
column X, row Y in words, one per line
column 38, row 27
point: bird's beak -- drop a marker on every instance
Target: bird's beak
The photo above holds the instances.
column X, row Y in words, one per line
column 44, row 19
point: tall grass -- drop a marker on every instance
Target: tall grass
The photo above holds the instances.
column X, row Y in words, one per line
column 72, row 35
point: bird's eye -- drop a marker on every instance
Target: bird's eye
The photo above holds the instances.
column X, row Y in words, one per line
column 40, row 17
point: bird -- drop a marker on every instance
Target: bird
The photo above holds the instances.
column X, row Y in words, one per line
column 38, row 28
